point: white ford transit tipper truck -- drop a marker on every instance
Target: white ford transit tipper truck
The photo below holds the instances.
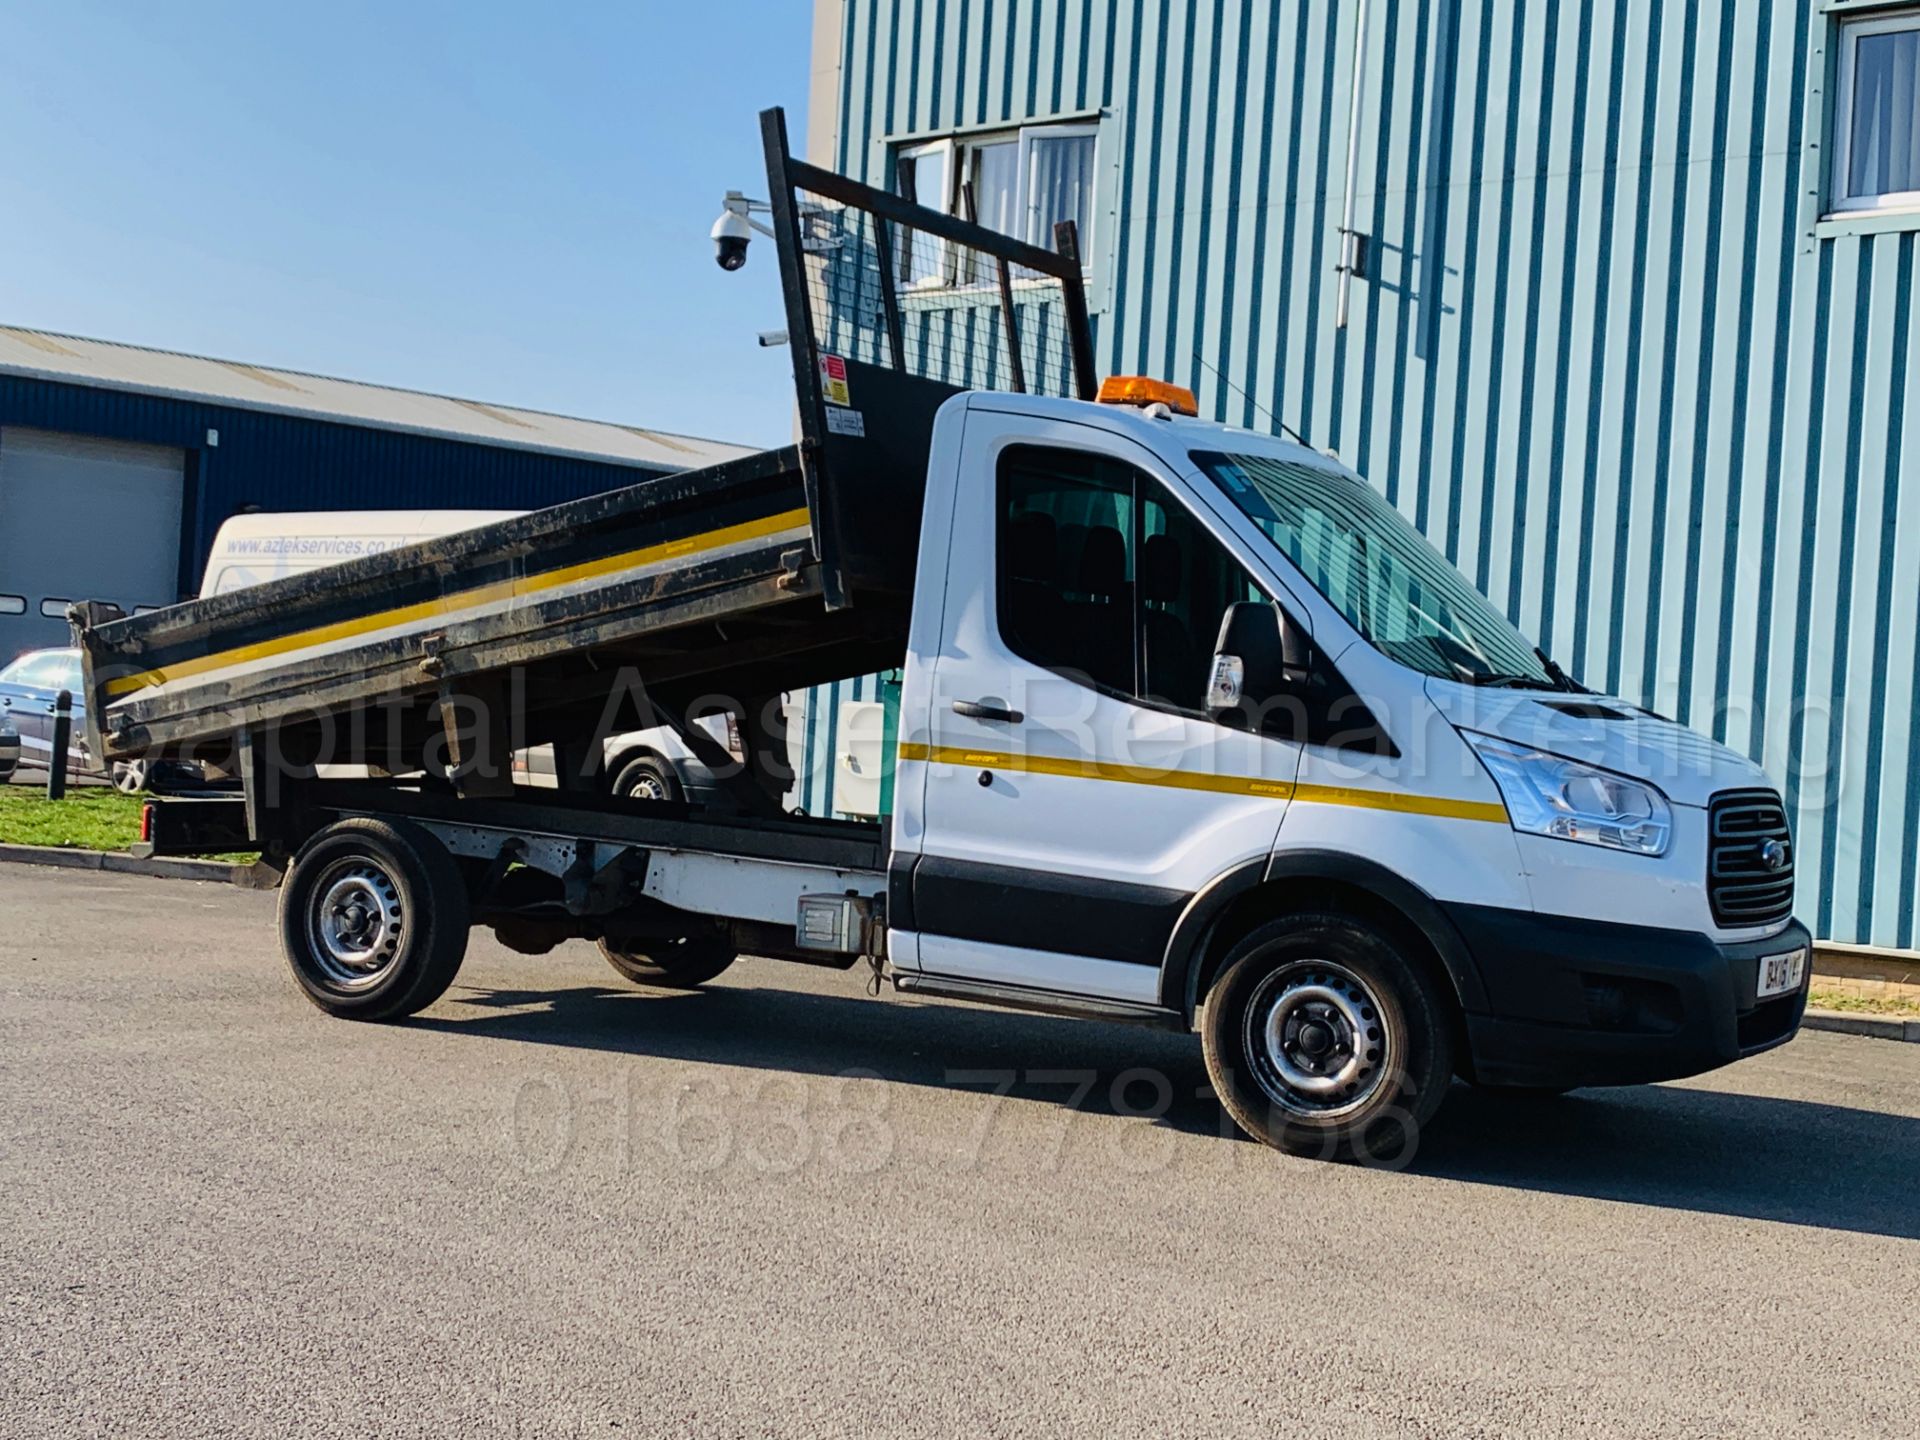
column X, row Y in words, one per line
column 1195, row 730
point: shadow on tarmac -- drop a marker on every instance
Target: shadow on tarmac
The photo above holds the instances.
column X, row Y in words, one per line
column 1796, row 1161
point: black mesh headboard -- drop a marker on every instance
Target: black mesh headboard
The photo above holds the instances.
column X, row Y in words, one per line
column 891, row 309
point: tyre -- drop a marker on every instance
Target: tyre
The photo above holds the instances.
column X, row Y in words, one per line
column 374, row 919
column 672, row 964
column 648, row 777
column 175, row 777
column 1323, row 1039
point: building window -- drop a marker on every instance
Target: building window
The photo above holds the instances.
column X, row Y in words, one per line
column 1018, row 182
column 1876, row 125
column 921, row 175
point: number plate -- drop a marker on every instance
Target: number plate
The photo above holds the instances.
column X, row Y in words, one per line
column 1782, row 974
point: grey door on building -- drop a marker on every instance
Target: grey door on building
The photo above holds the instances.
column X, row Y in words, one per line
column 83, row 519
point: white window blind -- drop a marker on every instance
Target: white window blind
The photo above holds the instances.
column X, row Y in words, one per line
column 1059, row 169
column 1876, row 142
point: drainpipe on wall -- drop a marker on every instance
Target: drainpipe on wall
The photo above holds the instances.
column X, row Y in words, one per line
column 1352, row 244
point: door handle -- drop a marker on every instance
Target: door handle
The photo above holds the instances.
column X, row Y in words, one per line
column 975, row 710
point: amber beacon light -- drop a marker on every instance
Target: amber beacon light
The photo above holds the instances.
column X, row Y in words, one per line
column 1143, row 390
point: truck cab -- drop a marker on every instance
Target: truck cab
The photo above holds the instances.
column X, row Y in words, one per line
column 1184, row 701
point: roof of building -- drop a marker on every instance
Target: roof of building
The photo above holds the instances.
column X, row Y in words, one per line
column 44, row 355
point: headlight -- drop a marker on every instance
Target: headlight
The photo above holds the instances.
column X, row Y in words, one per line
column 1552, row 795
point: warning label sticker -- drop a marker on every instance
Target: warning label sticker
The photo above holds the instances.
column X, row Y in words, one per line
column 833, row 380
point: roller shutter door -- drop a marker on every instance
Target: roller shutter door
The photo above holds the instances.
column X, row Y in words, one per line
column 83, row 519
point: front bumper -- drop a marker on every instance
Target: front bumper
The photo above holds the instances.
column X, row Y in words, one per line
column 1588, row 1002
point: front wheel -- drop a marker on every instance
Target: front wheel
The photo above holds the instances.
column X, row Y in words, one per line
column 1323, row 1039
column 374, row 919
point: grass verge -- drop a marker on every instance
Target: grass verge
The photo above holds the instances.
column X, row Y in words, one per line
column 89, row 819
column 1824, row 999
column 93, row 818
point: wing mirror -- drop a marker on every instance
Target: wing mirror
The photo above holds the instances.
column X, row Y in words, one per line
column 1262, row 655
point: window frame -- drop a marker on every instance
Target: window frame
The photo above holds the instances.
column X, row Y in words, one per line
column 941, row 276
column 1063, row 130
column 957, row 150
column 1849, row 31
column 969, row 148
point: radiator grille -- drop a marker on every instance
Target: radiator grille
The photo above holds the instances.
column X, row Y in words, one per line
column 1745, row 830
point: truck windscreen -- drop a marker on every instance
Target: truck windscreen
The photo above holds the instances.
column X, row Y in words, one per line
column 1378, row 571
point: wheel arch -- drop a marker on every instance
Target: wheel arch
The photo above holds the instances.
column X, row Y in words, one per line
column 627, row 754
column 1264, row 889
column 640, row 750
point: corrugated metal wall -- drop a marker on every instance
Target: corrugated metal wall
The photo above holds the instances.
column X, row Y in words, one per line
column 1605, row 355
column 286, row 462
column 813, row 737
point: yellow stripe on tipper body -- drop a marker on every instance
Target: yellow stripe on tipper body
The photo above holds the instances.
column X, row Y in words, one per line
column 1405, row 804
column 515, row 588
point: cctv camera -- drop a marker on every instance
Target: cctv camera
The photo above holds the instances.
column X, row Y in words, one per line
column 730, row 235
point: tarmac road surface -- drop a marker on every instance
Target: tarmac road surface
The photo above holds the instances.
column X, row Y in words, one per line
column 558, row 1205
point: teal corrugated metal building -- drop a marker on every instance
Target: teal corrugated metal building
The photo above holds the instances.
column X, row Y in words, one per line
column 1604, row 347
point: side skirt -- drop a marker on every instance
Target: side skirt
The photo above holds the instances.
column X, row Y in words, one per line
column 1019, row 997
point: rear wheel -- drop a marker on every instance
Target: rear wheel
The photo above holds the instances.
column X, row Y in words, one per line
column 678, row 964
column 374, row 918
column 1323, row 1039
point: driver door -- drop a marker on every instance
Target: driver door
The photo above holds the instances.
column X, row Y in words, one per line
column 1076, row 797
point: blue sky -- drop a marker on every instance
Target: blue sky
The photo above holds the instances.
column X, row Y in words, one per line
column 500, row 202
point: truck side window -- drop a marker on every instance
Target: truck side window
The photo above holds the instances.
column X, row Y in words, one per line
column 1065, row 568
column 1103, row 577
